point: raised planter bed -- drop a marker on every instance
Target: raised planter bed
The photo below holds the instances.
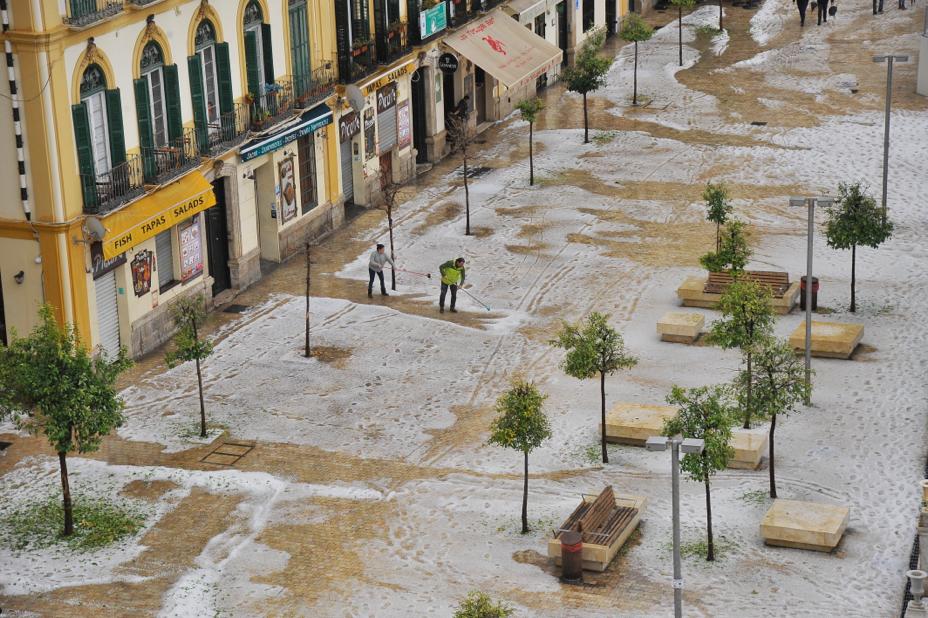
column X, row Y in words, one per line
column 750, row 446
column 804, row 525
column 680, row 326
column 829, row 339
column 634, row 423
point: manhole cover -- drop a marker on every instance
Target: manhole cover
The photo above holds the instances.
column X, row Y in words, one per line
column 759, row 123
column 234, row 308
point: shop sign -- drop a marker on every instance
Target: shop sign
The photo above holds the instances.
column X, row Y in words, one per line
column 386, row 97
column 287, row 190
column 349, row 125
column 402, row 125
column 392, row 76
column 100, row 264
column 433, row 20
column 141, row 272
column 191, row 249
column 370, row 137
column 311, row 121
column 448, row 63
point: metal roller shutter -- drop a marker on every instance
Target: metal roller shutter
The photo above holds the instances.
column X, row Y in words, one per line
column 107, row 314
column 386, row 127
column 347, row 170
column 164, row 253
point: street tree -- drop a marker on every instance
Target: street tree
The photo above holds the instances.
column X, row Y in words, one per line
column 306, row 350
column 746, row 323
column 779, row 386
column 588, row 74
column 189, row 315
column 521, row 425
column 478, row 604
column 718, row 207
column 681, row 4
column 390, row 192
column 462, row 136
column 734, row 250
column 854, row 220
column 594, row 348
column 51, row 384
column 635, row 30
column 530, row 109
column 706, row 414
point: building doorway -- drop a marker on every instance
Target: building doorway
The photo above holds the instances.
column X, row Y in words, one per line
column 480, row 83
column 347, row 172
column 419, row 95
column 217, row 240
column 612, row 23
column 561, row 9
column 107, row 314
column 448, row 95
column 386, row 167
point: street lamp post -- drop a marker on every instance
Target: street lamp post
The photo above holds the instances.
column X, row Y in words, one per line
column 888, row 59
column 809, row 202
column 686, row 445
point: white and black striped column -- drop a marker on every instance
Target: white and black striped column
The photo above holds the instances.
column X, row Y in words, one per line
column 17, row 125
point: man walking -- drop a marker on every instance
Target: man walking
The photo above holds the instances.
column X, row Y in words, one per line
column 802, row 5
column 375, row 267
column 875, row 9
column 452, row 275
column 822, row 12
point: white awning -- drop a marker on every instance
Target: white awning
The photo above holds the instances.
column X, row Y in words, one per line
column 526, row 9
column 504, row 48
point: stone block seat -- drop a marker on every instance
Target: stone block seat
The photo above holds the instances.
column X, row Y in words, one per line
column 680, row 326
column 634, row 423
column 605, row 522
column 829, row 339
column 706, row 292
column 750, row 446
column 804, row 525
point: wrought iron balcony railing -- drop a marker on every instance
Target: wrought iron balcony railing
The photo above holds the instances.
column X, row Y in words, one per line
column 84, row 13
column 110, row 190
column 228, row 131
column 163, row 163
column 312, row 89
column 274, row 105
column 363, row 61
column 397, row 43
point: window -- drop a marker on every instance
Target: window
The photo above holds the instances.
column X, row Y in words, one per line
column 299, row 47
column 307, row 151
column 206, row 50
column 93, row 95
column 589, row 9
column 152, row 72
column 164, row 260
column 253, row 22
column 393, row 12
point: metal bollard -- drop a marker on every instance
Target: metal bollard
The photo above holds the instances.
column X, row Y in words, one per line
column 571, row 557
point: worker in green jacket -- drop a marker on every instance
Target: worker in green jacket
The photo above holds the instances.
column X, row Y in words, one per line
column 452, row 275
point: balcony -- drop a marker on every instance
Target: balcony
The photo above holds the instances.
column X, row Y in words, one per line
column 458, row 13
column 85, row 13
column 110, row 190
column 140, row 4
column 363, row 60
column 312, row 89
column 397, row 43
column 164, row 163
column 276, row 104
column 229, row 131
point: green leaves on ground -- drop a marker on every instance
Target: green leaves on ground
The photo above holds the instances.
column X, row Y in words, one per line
column 479, row 605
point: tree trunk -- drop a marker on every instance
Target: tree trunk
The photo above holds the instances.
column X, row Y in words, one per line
column 747, row 399
column 635, row 78
column 586, row 122
column 196, row 337
column 720, row 15
column 710, row 554
column 66, row 494
column 853, row 277
column 392, row 253
column 773, row 479
column 306, row 350
column 718, row 237
column 531, row 161
column 466, row 196
column 680, row 32
column 525, row 496
column 602, row 395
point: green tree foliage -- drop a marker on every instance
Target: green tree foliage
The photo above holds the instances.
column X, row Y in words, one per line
column 521, row 425
column 854, row 220
column 746, row 323
column 50, row 384
column 779, row 386
column 189, row 316
column 480, row 605
column 734, row 250
column 681, row 4
column 718, row 207
column 706, row 414
column 635, row 30
column 530, row 109
column 594, row 348
column 588, row 74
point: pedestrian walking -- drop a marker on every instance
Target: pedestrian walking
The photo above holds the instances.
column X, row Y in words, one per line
column 875, row 5
column 822, row 12
column 462, row 109
column 802, row 5
column 375, row 267
column 452, row 276
column 902, row 4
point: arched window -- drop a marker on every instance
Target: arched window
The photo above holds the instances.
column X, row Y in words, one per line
column 259, row 60
column 157, row 107
column 152, row 69
column 205, row 41
column 93, row 97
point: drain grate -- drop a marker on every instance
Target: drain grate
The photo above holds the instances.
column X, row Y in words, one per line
column 228, row 453
column 759, row 123
column 234, row 308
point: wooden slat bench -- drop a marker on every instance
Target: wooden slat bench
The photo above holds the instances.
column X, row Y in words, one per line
column 706, row 293
column 777, row 282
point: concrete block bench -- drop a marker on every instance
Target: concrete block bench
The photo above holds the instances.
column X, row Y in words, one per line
column 829, row 339
column 804, row 525
column 750, row 446
column 680, row 326
column 634, row 423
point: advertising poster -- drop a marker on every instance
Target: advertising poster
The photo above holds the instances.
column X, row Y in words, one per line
column 191, row 249
column 287, row 190
column 402, row 124
column 141, row 272
column 370, row 137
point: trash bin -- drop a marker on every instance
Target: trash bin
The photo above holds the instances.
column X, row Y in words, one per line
column 571, row 557
column 802, row 293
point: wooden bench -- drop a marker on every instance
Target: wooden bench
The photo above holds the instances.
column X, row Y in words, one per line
column 777, row 282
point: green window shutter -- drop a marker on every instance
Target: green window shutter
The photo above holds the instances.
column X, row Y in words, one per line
column 114, row 120
column 146, row 139
column 195, row 69
column 268, row 53
column 84, row 154
column 172, row 102
column 226, row 103
column 251, row 64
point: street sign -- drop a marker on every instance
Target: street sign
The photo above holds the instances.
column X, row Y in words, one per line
column 432, row 20
column 448, row 63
